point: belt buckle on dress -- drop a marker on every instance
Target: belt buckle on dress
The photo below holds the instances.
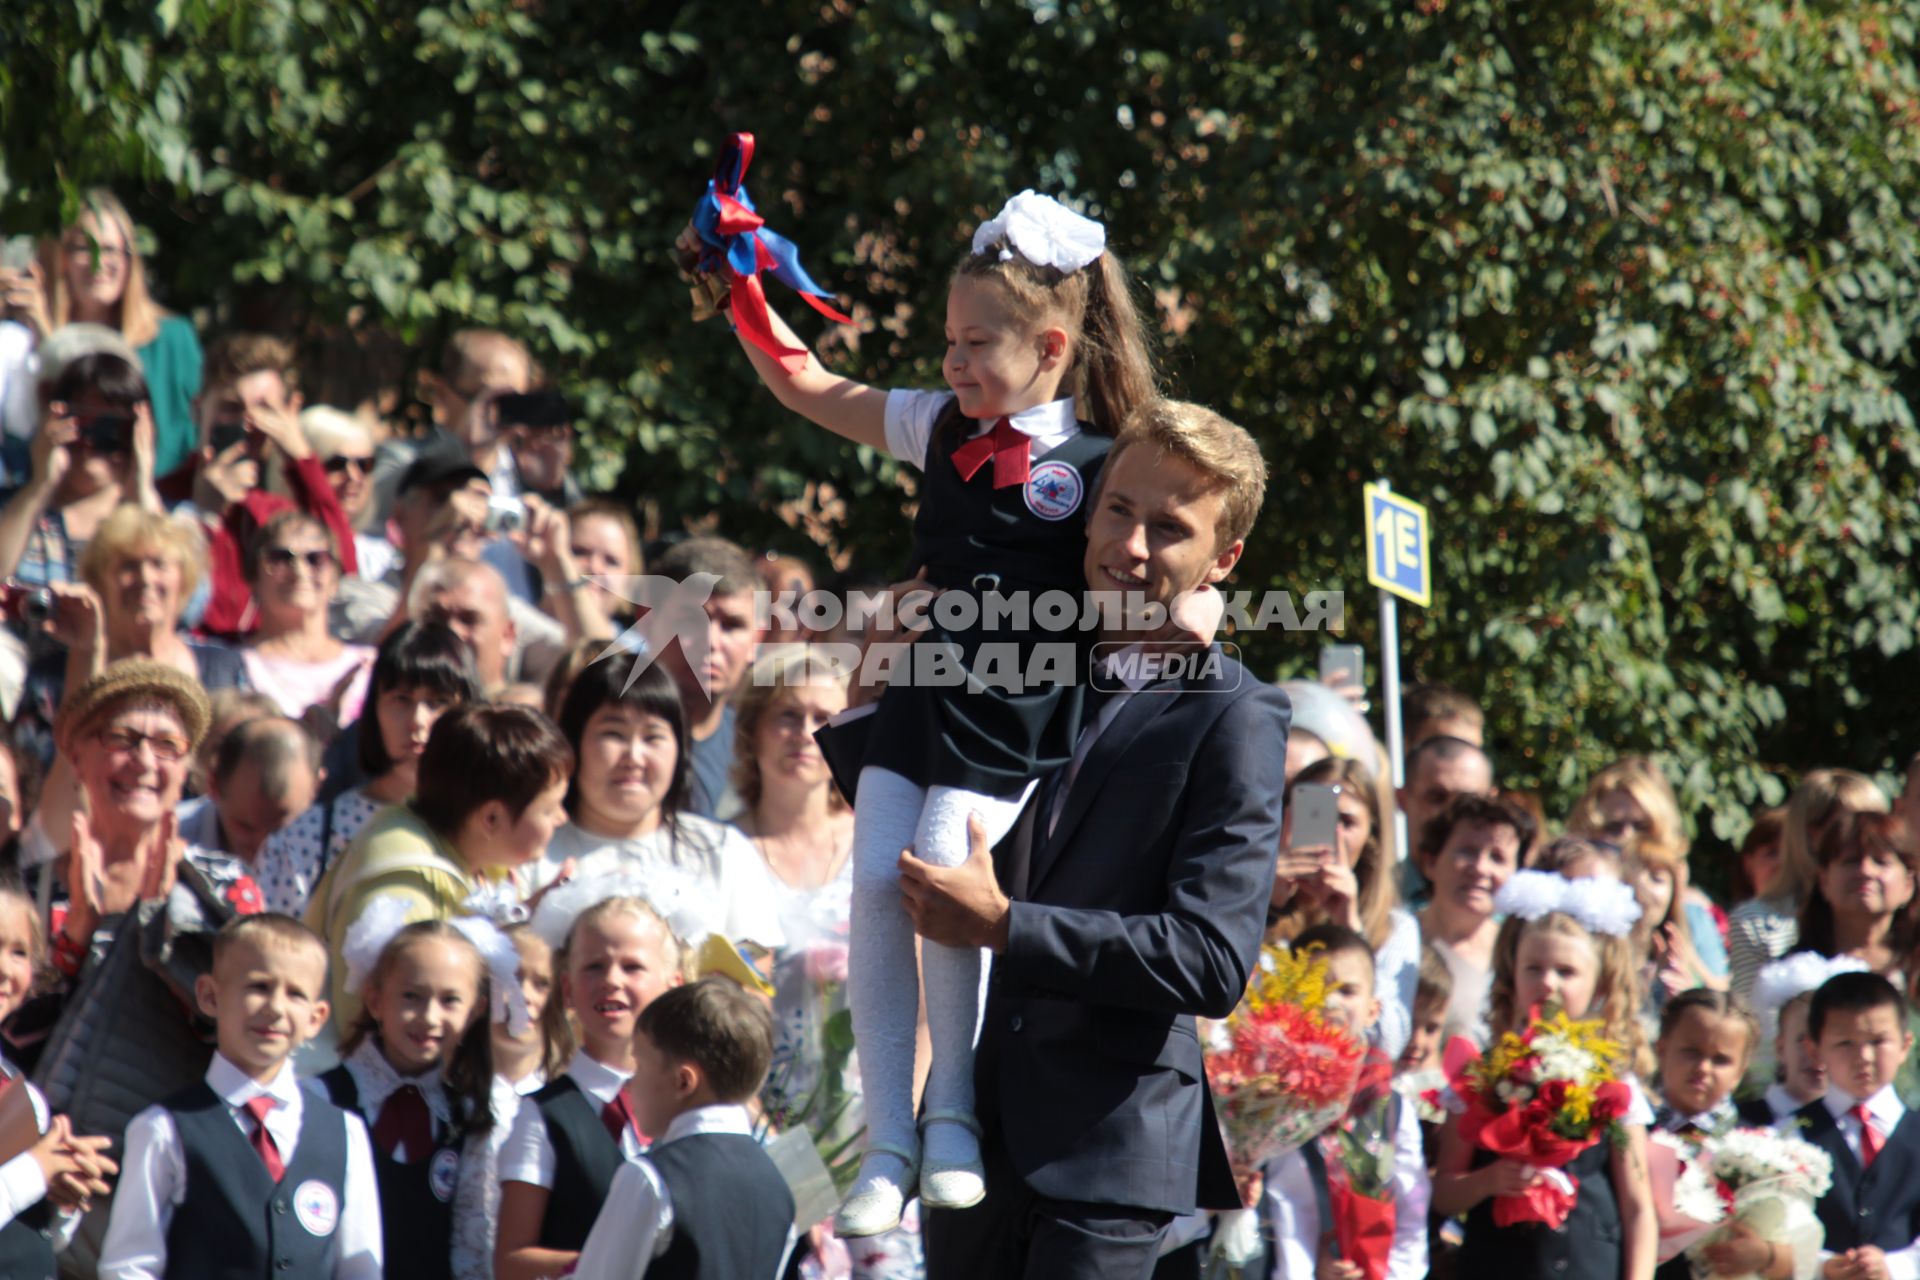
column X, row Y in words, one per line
column 986, row 582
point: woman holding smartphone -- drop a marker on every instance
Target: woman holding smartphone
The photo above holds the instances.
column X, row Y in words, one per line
column 1336, row 866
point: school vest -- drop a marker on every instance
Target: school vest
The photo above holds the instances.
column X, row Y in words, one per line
column 585, row 1158
column 236, row 1223
column 1587, row 1247
column 1033, row 535
column 731, row 1209
column 1880, row 1205
column 416, row 1200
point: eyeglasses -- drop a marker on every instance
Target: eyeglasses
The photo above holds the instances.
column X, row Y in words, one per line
column 165, row 746
column 282, row 559
column 341, row 461
column 108, row 253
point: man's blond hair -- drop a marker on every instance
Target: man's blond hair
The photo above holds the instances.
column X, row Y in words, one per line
column 1221, row 451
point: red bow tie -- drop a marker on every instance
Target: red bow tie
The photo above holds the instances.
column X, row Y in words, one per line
column 1010, row 448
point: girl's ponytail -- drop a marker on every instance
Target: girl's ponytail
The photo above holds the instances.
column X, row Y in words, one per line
column 1117, row 373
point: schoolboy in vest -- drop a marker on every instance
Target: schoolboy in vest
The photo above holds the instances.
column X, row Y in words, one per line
column 1298, row 1197
column 246, row 1176
column 705, row 1202
column 1858, row 1022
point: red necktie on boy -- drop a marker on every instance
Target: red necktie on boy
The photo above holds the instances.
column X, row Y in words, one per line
column 405, row 1120
column 618, row 1117
column 1870, row 1139
column 262, row 1141
column 1010, row 448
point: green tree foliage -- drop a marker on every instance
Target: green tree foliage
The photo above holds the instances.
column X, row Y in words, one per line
column 1625, row 290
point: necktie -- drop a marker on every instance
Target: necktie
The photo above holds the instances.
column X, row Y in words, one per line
column 405, row 1121
column 1870, row 1139
column 1009, row 447
column 263, row 1143
column 618, row 1116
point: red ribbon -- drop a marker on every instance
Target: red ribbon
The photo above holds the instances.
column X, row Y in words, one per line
column 1363, row 1228
column 1010, row 448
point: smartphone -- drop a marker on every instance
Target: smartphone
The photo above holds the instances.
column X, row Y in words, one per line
column 17, row 254
column 533, row 409
column 1316, row 815
column 227, row 434
column 1343, row 664
column 106, row 433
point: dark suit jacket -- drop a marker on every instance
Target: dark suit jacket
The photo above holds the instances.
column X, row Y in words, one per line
column 1143, row 909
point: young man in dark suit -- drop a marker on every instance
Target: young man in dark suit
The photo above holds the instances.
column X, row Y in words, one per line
column 1128, row 901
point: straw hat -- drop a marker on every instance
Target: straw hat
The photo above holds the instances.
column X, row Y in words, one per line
column 133, row 681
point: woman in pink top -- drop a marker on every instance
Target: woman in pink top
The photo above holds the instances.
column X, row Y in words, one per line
column 293, row 569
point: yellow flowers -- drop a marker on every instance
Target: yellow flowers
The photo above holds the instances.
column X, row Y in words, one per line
column 1286, row 976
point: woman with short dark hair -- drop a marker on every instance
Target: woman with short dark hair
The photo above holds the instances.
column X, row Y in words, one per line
column 489, row 793
column 423, row 671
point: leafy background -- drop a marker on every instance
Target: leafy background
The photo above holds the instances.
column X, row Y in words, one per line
column 1624, row 290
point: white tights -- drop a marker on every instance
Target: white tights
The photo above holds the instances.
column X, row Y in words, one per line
column 892, row 814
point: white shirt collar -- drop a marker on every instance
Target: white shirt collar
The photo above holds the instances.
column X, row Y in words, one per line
column 595, row 1078
column 1885, row 1107
column 1707, row 1121
column 377, row 1081
column 1048, row 425
column 1782, row 1102
column 726, row 1117
column 236, row 1088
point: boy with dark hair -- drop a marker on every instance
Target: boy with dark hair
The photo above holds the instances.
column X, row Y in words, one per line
column 1858, row 1022
column 705, row 1202
column 1298, row 1198
column 246, row 1173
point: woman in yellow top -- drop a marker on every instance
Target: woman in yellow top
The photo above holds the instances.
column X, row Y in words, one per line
column 488, row 794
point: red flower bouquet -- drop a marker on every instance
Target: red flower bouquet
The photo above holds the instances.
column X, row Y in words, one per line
column 1360, row 1155
column 1540, row 1096
column 1279, row 1074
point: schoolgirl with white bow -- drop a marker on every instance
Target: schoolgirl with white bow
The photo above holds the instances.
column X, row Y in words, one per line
column 1565, row 943
column 417, row 1067
column 1045, row 359
column 618, row 945
column 1781, row 995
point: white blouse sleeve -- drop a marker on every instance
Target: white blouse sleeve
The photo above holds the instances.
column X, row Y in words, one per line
column 1396, row 979
column 909, row 419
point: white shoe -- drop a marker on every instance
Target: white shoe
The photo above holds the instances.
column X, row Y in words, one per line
column 959, row 1185
column 877, row 1210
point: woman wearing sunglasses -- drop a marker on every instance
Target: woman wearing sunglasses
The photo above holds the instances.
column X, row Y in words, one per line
column 293, row 569
column 345, row 448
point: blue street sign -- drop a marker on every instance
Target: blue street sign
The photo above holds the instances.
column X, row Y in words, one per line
column 1398, row 532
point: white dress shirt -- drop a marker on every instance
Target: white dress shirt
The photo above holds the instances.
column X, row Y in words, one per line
column 528, row 1155
column 153, row 1178
column 1886, row 1109
column 910, row 416
column 635, row 1225
column 1707, row 1122
column 1782, row 1103
column 23, row 1184
column 1294, row 1211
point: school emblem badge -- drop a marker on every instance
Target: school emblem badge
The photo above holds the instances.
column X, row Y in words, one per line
column 317, row 1207
column 1054, row 490
column 443, row 1173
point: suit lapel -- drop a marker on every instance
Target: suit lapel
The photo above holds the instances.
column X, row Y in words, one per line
column 1134, row 716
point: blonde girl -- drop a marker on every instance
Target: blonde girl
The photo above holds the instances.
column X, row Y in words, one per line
column 1566, row 944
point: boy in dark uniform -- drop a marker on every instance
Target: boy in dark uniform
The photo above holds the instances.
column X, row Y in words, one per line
column 246, row 1175
column 705, row 1202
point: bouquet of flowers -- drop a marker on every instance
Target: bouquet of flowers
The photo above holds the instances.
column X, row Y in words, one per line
column 1764, row 1181
column 1359, row 1153
column 1279, row 1073
column 1540, row 1096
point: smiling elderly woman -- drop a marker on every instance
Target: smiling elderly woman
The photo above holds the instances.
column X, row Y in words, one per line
column 142, row 907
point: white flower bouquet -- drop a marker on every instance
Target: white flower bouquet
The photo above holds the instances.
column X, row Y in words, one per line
column 1764, row 1181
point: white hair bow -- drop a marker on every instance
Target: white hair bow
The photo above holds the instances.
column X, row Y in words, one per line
column 673, row 896
column 509, row 1002
column 1043, row 231
column 1601, row 906
column 1797, row 974
column 369, row 935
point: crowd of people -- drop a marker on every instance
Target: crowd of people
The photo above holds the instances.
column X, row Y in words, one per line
column 373, row 911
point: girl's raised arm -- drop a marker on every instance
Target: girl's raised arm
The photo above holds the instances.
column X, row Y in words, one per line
column 841, row 405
